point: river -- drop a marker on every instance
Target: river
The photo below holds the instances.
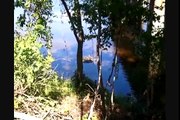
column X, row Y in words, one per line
column 64, row 51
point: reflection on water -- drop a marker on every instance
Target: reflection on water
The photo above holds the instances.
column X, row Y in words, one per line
column 64, row 51
column 65, row 65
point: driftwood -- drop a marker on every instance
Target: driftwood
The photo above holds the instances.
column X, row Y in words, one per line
column 23, row 116
column 88, row 59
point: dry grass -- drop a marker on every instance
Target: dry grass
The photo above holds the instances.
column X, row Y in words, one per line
column 65, row 108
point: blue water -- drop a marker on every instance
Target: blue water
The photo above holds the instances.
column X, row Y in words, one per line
column 65, row 65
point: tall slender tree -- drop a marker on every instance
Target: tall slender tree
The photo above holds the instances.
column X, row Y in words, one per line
column 76, row 24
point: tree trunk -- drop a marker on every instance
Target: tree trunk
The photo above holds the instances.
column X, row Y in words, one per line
column 99, row 54
column 79, row 62
column 80, row 42
column 79, row 35
column 149, row 44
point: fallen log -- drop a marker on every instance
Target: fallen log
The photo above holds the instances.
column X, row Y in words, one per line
column 23, row 116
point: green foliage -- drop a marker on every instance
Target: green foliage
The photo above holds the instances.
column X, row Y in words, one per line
column 34, row 71
column 30, row 67
column 35, row 83
column 37, row 14
column 93, row 10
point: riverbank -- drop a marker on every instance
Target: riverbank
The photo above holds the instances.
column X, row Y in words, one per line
column 64, row 102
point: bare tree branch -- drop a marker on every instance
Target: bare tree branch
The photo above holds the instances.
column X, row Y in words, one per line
column 70, row 18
